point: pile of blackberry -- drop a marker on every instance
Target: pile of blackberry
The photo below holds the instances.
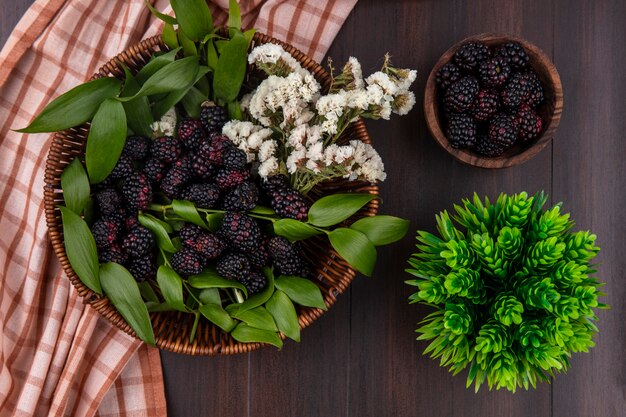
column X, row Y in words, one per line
column 491, row 97
column 200, row 165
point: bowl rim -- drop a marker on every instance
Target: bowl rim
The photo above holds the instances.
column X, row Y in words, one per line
column 431, row 111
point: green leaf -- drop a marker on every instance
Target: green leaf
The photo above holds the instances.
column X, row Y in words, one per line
column 214, row 220
column 138, row 113
column 301, row 291
column 194, row 18
column 294, row 229
column 355, row 248
column 80, row 247
column 246, row 334
column 258, row 318
column 210, row 279
column 106, row 139
column 189, row 47
column 284, row 313
column 234, row 15
column 203, row 85
column 156, row 307
column 89, row 212
column 75, row 186
column 257, row 299
column 160, row 229
column 173, row 76
column 382, row 230
column 249, row 34
column 333, row 209
column 168, row 36
column 210, row 296
column 263, row 210
column 162, row 106
column 231, row 69
column 155, row 64
column 169, row 20
column 192, row 101
column 218, row 316
column 187, row 210
column 234, row 110
column 75, row 107
column 171, row 286
column 147, row 292
column 121, row 288
column 211, row 55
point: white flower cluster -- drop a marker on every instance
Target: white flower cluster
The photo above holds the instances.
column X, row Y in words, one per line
column 166, row 125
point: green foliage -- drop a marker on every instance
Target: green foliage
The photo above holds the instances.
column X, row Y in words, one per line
column 512, row 287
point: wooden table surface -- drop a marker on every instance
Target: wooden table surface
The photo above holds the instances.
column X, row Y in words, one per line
column 361, row 359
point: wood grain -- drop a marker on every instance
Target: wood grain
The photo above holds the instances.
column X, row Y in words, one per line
column 361, row 359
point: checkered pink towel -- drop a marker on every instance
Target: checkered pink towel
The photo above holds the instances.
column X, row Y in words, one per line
column 57, row 356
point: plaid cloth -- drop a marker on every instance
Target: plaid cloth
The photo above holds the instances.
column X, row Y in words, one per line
column 58, row 357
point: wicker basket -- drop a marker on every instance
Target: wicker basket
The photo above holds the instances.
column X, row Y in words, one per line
column 172, row 329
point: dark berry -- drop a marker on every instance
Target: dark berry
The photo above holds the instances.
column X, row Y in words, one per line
column 105, row 231
column 274, row 183
column 485, row 105
column 189, row 234
column 108, row 200
column 113, row 253
column 209, row 245
column 142, row 268
column 155, row 170
column 130, row 222
column 202, row 195
column 447, row 75
column 166, row 148
column 233, row 266
column 123, row 168
column 186, row 262
column 528, row 124
column 175, row 181
column 242, row 197
column 191, row 133
column 234, row 158
column 137, row 148
column 213, row 118
column 286, row 257
column 471, row 54
column 280, row 248
column 515, row 91
column 137, row 191
column 461, row 131
column 259, row 258
column 514, row 55
column 201, row 168
column 535, row 90
column 138, row 241
column 228, row 178
column 287, row 202
column 502, row 130
column 212, row 151
column 488, row 148
column 254, row 283
column 460, row 96
column 494, row 72
column 241, row 232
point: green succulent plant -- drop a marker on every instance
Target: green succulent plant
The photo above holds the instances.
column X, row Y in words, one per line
column 512, row 287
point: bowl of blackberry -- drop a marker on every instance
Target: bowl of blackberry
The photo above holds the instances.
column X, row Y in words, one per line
column 493, row 101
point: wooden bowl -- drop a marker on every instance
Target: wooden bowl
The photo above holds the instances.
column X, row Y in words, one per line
column 172, row 329
column 550, row 110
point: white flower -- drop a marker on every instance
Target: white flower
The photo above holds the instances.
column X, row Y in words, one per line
column 359, row 99
column 403, row 103
column 267, row 150
column 167, row 124
column 294, row 159
column 383, row 80
column 268, row 53
column 357, row 72
column 269, row 167
column 297, row 138
column 313, row 135
column 407, row 77
column 315, row 152
column 256, row 138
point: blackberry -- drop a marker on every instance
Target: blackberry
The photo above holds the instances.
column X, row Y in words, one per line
column 461, row 94
column 287, row 257
column 191, row 133
column 189, row 234
column 502, row 130
column 528, row 124
column 136, row 148
column 488, row 148
column 123, row 168
column 233, row 266
column 485, row 105
column 515, row 91
column 130, row 222
column 174, row 181
column 209, row 245
column 242, row 197
column 113, row 253
column 105, row 231
column 154, row 170
column 234, row 158
column 166, row 148
column 471, row 54
column 186, row 262
column 202, row 195
column 212, row 151
column 514, row 55
column 108, row 200
column 213, row 118
column 138, row 241
column 142, row 268
column 228, row 178
column 254, row 283
column 447, row 75
column 461, row 131
column 280, row 248
column 535, row 90
column 241, row 232
column 201, row 168
column 494, row 72
column 137, row 191
column 274, row 183
column 287, row 202
column 259, row 258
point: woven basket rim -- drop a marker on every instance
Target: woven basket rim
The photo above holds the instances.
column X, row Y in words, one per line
column 172, row 328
